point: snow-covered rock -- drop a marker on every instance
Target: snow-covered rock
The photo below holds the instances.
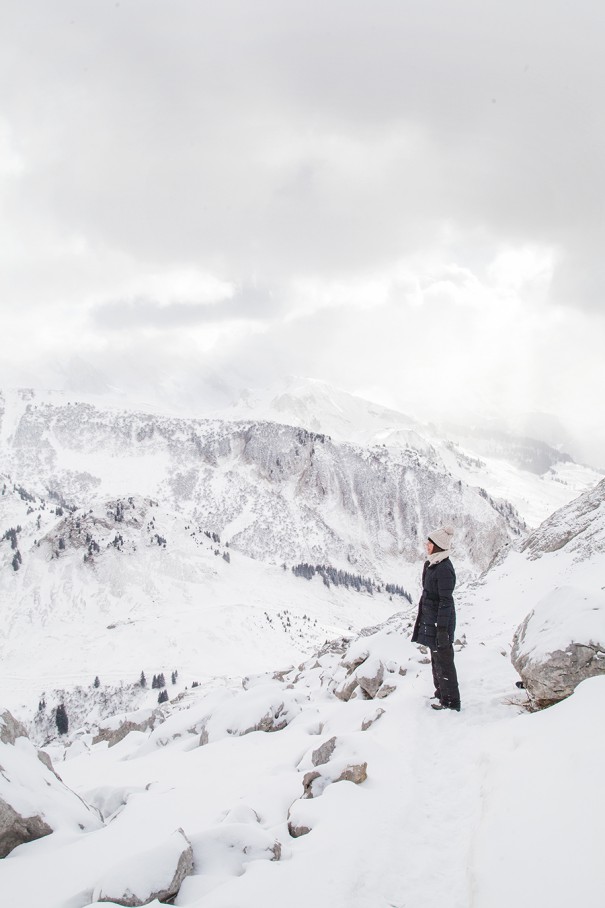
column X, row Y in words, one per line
column 372, row 671
column 269, row 707
column 116, row 729
column 578, row 527
column 560, row 643
column 33, row 800
column 156, row 873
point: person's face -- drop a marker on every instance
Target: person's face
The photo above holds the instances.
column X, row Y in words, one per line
column 430, row 548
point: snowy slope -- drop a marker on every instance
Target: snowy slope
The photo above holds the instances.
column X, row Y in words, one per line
column 121, row 521
column 453, row 786
column 536, row 478
column 127, row 586
column 275, row 492
column 458, row 809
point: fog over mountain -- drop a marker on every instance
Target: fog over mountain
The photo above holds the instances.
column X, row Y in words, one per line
column 404, row 201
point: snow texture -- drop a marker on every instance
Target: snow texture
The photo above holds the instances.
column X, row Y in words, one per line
column 491, row 807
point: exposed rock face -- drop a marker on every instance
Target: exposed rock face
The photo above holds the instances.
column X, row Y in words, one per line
column 268, row 706
column 577, row 527
column 297, row 830
column 346, row 690
column 324, row 752
column 10, row 728
column 351, row 504
column 113, row 736
column 367, row 723
column 355, row 772
column 384, row 690
column 16, row 830
column 559, row 644
column 273, row 720
column 155, row 874
column 366, row 676
column 370, row 677
column 308, row 780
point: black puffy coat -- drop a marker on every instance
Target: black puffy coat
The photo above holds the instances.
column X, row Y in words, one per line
column 436, row 607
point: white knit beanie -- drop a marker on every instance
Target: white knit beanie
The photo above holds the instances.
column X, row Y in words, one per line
column 442, row 537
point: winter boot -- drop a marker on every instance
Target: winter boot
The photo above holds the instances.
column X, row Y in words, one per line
column 441, row 705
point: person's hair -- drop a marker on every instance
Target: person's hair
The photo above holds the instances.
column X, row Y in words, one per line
column 437, row 547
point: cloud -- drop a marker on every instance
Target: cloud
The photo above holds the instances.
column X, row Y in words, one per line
column 307, row 138
column 182, row 301
column 305, row 186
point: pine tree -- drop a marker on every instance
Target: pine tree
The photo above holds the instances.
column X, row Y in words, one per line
column 163, row 696
column 96, row 682
column 61, row 720
column 143, row 680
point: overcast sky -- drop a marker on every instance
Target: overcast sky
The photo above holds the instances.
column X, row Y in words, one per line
column 405, row 199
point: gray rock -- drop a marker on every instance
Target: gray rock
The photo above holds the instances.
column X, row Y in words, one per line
column 17, row 830
column 315, row 783
column 309, row 778
column 356, row 772
column 275, row 719
column 108, row 892
column 384, row 690
column 553, row 676
column 115, row 735
column 352, row 664
column 204, row 735
column 10, row 728
column 297, row 829
column 346, row 690
column 276, row 849
column 324, row 752
column 370, row 682
column 367, row 723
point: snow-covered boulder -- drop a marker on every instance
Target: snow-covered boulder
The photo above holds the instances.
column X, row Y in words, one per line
column 115, row 729
column 338, row 759
column 33, row 799
column 268, row 707
column 373, row 663
column 560, row 643
column 228, row 847
column 371, row 719
column 153, row 874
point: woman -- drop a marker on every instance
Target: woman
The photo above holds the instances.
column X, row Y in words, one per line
column 436, row 621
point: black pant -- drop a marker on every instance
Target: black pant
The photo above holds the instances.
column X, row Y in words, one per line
column 444, row 675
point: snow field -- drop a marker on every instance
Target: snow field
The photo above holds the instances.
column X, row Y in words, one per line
column 463, row 809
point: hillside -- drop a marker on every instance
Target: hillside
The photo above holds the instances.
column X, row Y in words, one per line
column 275, row 492
column 322, row 776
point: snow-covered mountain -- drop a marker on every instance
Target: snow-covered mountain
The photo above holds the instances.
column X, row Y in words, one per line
column 566, row 552
column 127, row 585
column 579, row 527
column 331, row 782
column 323, row 777
column 278, row 493
column 534, row 476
